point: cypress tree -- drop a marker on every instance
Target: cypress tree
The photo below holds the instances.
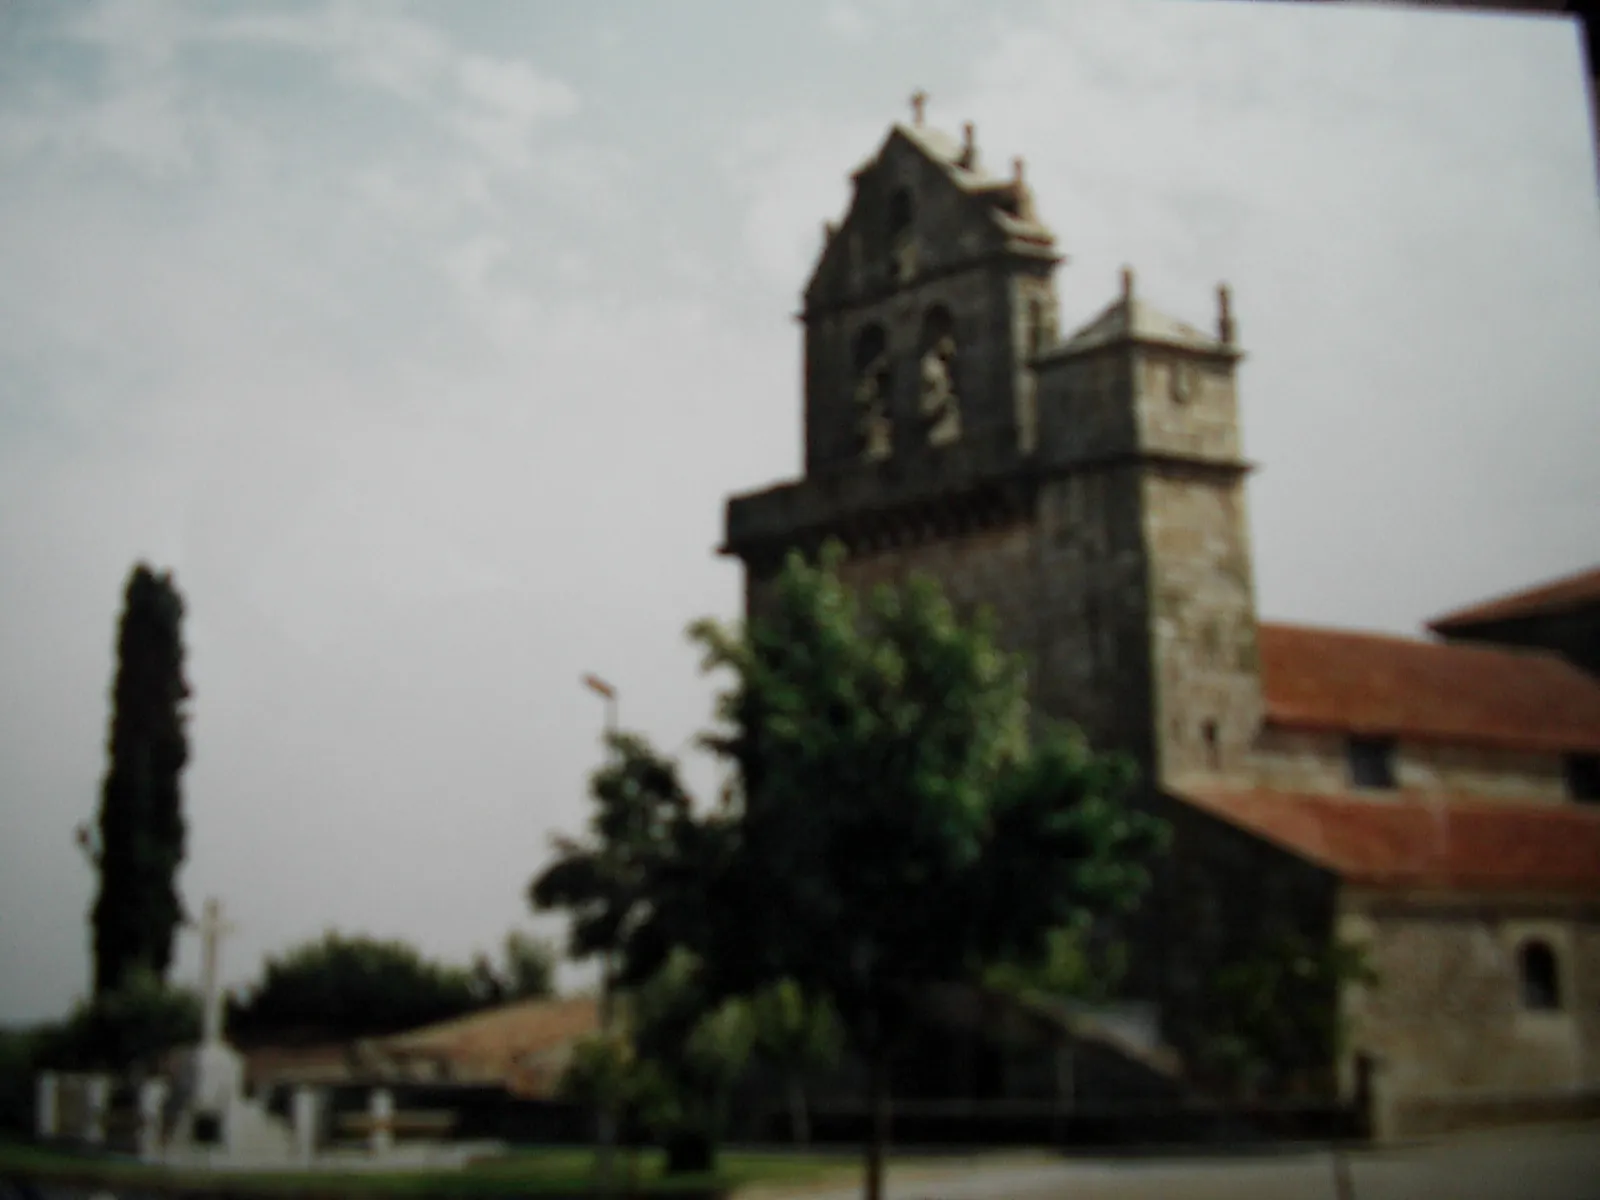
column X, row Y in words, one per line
column 141, row 828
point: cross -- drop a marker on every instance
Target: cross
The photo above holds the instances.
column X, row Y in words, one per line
column 919, row 99
column 212, row 928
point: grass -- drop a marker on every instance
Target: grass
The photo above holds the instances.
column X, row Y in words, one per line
column 543, row 1171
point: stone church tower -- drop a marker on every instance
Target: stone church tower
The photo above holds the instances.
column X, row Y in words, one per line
column 1089, row 490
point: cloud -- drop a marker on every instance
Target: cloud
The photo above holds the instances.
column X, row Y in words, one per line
column 846, row 21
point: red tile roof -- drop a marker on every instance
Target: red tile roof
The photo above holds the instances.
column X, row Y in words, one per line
column 1558, row 596
column 1433, row 843
column 529, row 1038
column 1376, row 684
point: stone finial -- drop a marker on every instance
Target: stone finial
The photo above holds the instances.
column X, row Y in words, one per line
column 1017, row 171
column 919, row 101
column 1224, row 315
column 969, row 144
column 829, row 230
column 1127, row 283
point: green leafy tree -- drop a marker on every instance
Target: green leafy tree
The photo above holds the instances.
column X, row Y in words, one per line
column 795, row 1034
column 609, row 882
column 1075, row 966
column 140, row 837
column 896, row 826
column 344, row 987
column 1275, row 1018
column 527, row 971
column 124, row 1030
column 699, row 1047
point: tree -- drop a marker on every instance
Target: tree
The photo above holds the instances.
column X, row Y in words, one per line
column 698, row 1048
column 1076, row 966
column 127, row 1029
column 527, row 971
column 633, row 858
column 608, row 883
column 795, row 1034
column 1275, row 1016
column 343, row 987
column 140, row 842
column 895, row 825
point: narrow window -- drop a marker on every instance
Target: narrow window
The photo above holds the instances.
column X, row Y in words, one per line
column 900, row 243
column 1583, row 776
column 1536, row 965
column 1208, row 732
column 1372, row 762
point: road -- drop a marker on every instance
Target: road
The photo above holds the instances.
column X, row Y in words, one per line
column 1544, row 1164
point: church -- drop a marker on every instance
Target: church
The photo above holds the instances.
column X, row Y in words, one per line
column 1434, row 799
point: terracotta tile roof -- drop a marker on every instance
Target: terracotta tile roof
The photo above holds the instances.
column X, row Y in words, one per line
column 1433, row 843
column 1557, row 596
column 499, row 1043
column 1375, row 684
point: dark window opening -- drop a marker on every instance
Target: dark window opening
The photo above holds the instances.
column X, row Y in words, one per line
column 901, row 246
column 1208, row 732
column 1536, row 964
column 1583, row 776
column 1372, row 762
column 900, row 212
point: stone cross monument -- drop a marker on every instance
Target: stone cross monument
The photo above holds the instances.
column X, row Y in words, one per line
column 213, row 928
column 213, row 1076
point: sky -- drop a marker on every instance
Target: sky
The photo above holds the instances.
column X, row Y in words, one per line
column 424, row 343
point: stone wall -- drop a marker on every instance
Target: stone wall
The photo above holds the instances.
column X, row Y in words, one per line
column 956, row 260
column 1203, row 624
column 1186, row 404
column 1222, row 896
column 1446, row 1017
column 1316, row 761
column 1091, row 600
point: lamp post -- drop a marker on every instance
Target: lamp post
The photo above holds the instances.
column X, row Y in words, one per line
column 600, row 687
column 607, row 1128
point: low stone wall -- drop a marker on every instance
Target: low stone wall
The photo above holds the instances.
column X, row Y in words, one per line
column 1017, row 1124
column 1435, row 1116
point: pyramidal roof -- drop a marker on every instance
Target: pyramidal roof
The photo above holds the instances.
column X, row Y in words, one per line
column 1130, row 319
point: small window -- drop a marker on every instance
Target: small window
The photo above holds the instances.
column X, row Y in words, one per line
column 1208, row 733
column 1583, row 776
column 1372, row 762
column 1541, row 987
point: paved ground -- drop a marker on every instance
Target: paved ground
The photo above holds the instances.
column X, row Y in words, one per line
column 1545, row 1164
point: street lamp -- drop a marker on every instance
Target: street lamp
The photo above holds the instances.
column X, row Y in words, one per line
column 607, row 1132
column 600, row 687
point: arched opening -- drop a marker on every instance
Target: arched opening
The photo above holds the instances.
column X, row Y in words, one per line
column 899, row 240
column 1541, row 984
column 938, row 401
column 872, row 383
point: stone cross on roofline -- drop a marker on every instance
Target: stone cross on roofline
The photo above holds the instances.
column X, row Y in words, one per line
column 919, row 101
column 212, row 929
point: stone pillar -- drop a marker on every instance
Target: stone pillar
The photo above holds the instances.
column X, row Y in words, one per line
column 303, row 1113
column 47, row 1104
column 381, row 1108
column 152, row 1106
column 97, row 1098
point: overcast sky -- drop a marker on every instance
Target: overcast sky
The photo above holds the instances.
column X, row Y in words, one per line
column 424, row 344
